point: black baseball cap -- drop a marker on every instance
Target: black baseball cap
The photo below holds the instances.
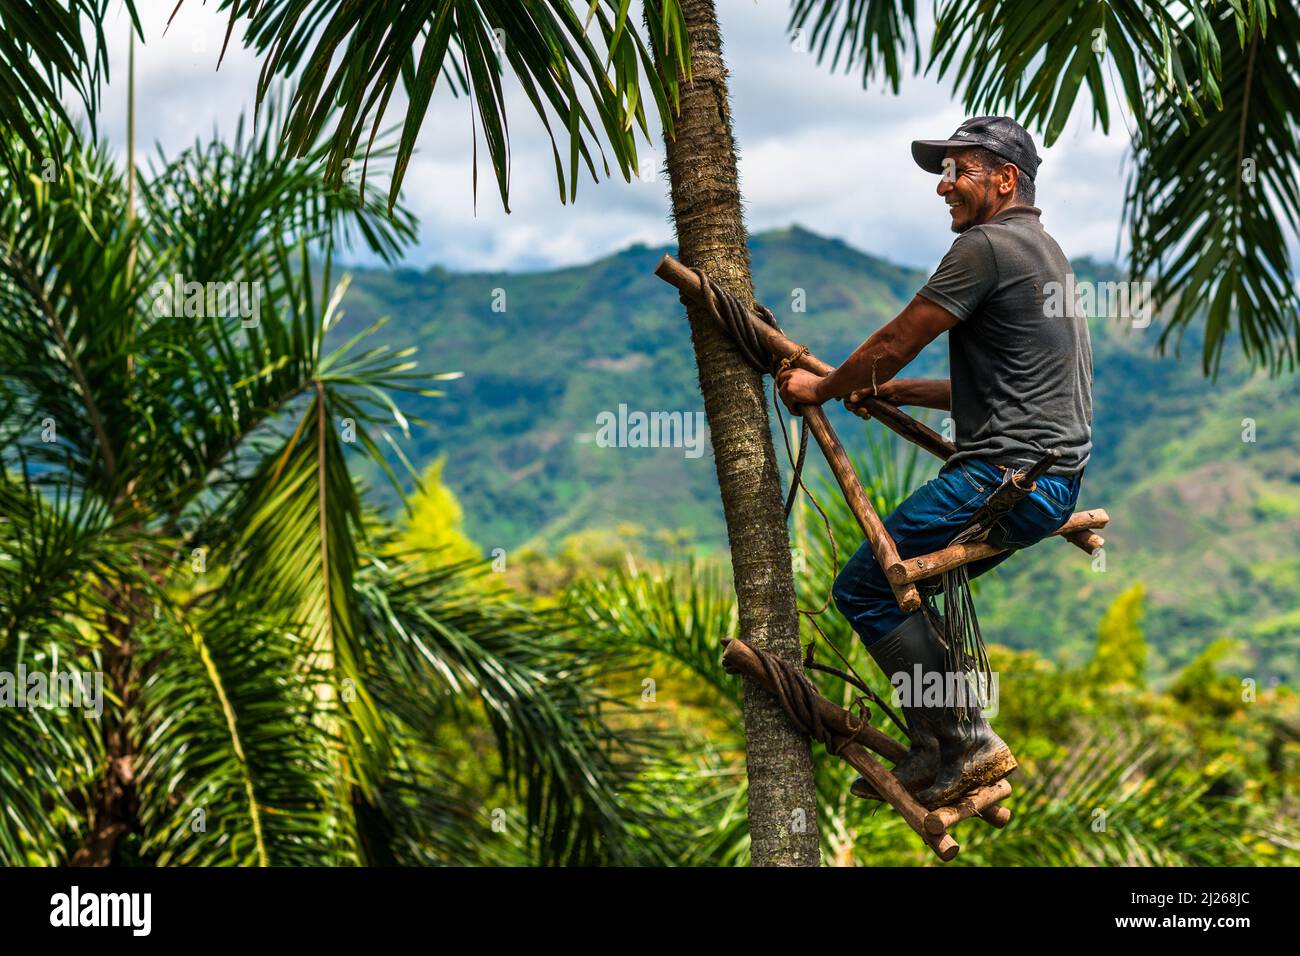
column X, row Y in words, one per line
column 998, row 134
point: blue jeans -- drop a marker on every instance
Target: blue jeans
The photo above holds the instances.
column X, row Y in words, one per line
column 929, row 519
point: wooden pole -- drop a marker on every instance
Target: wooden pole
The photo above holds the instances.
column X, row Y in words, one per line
column 891, row 416
column 882, row 543
column 972, row 804
column 954, row 556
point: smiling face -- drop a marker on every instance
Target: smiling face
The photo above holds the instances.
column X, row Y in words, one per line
column 974, row 193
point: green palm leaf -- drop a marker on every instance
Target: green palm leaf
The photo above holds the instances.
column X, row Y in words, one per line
column 1032, row 59
column 566, row 747
column 1211, row 211
column 238, row 765
column 44, row 55
column 1118, row 800
column 874, row 33
column 358, row 55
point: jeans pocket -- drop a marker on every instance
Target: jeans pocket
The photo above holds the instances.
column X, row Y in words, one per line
column 1055, row 495
column 977, row 481
column 1049, row 509
column 1034, row 518
column 971, row 498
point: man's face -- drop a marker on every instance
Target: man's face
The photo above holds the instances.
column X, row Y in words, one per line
column 973, row 194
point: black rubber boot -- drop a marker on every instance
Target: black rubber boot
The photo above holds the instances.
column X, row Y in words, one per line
column 901, row 650
column 970, row 754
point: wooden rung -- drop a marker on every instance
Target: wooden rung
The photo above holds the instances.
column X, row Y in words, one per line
column 997, row 817
column 1088, row 541
column 910, row 570
column 994, row 815
column 973, row 803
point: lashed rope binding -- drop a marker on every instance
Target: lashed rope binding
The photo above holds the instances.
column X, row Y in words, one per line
column 798, row 697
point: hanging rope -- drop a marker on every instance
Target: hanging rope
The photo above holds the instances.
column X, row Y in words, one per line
column 965, row 652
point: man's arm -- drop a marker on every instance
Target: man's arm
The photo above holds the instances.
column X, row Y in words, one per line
column 875, row 361
column 923, row 392
column 888, row 350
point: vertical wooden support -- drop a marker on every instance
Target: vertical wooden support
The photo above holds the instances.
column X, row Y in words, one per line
column 882, row 545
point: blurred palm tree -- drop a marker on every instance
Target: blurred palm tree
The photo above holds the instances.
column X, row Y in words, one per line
column 178, row 516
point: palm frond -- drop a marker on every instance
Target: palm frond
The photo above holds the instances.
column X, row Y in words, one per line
column 1032, row 59
column 289, row 541
column 44, row 54
column 217, row 205
column 566, row 747
column 48, row 763
column 58, row 550
column 238, row 766
column 873, row 33
column 358, row 55
column 67, row 305
column 260, row 230
column 674, row 618
column 1119, row 800
column 1212, row 211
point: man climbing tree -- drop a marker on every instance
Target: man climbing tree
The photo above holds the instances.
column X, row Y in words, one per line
column 1020, row 387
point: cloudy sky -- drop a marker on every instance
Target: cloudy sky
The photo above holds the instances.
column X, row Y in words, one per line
column 815, row 149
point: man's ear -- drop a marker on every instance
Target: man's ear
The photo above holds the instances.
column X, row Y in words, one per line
column 1007, row 182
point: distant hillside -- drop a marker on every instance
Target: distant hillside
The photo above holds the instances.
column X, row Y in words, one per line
column 1208, row 521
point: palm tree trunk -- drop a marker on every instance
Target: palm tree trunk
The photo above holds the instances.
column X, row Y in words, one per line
column 114, row 807
column 711, row 235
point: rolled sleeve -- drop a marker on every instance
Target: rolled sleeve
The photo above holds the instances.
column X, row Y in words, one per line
column 966, row 276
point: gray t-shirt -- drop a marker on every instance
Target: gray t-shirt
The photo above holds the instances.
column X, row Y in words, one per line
column 1021, row 379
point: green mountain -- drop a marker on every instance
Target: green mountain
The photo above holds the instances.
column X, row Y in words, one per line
column 1207, row 521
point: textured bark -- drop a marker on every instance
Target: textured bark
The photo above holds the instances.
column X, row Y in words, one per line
column 701, row 162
